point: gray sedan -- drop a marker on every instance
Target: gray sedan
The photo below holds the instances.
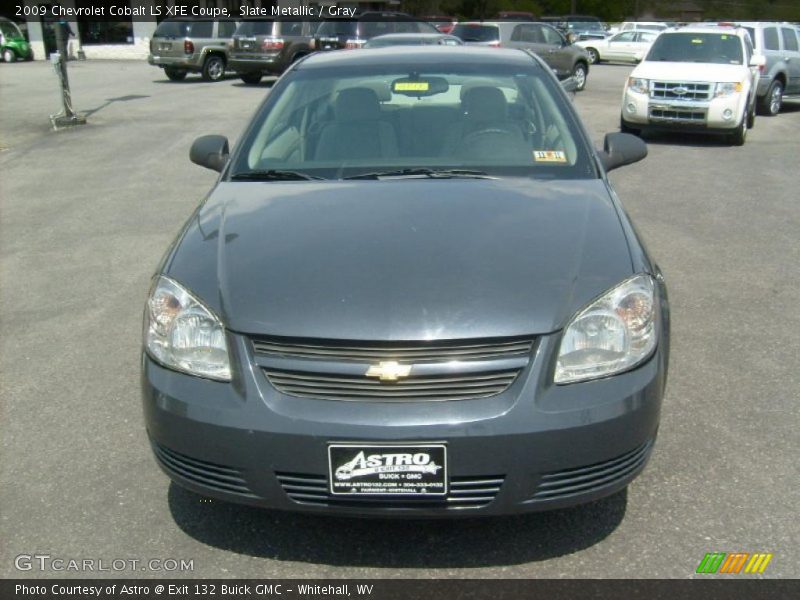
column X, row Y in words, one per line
column 412, row 292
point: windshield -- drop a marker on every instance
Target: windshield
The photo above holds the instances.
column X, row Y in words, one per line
column 252, row 28
column 476, row 33
column 717, row 48
column 10, row 30
column 490, row 119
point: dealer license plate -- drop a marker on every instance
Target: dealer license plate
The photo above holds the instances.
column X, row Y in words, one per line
column 391, row 469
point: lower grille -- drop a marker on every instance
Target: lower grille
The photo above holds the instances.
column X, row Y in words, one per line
column 563, row 484
column 463, row 386
column 465, row 493
column 205, row 474
column 679, row 114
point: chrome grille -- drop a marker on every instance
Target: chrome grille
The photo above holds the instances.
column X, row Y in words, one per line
column 463, row 386
column 670, row 90
column 563, row 484
column 465, row 492
column 438, row 370
column 401, row 351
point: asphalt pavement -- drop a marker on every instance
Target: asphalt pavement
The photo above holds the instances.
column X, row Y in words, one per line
column 86, row 214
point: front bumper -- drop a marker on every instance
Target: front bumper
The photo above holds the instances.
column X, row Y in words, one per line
column 643, row 112
column 536, row 446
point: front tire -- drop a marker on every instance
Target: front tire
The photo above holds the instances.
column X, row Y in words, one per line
column 770, row 105
column 579, row 73
column 594, row 56
column 625, row 128
column 250, row 78
column 175, row 74
column 738, row 137
column 9, row 56
column 213, row 68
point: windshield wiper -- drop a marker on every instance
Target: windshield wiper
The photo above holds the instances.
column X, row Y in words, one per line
column 273, row 175
column 424, row 172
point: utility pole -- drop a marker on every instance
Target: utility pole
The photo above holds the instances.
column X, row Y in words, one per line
column 67, row 117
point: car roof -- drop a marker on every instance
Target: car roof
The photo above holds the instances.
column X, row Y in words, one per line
column 415, row 36
column 721, row 29
column 419, row 55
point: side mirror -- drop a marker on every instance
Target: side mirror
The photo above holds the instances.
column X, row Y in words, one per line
column 620, row 149
column 758, row 60
column 210, row 151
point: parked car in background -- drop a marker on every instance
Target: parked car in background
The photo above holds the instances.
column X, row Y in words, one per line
column 413, row 39
column 366, row 318
column 779, row 43
column 627, row 46
column 696, row 79
column 341, row 34
column 13, row 44
column 566, row 60
column 585, row 28
column 182, row 46
column 268, row 46
column 442, row 23
column 641, row 26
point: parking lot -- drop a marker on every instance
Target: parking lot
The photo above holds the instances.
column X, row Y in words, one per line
column 85, row 216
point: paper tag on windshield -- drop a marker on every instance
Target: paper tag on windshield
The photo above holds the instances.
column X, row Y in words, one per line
column 551, row 156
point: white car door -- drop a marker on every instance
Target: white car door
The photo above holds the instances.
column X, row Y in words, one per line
column 619, row 46
column 641, row 45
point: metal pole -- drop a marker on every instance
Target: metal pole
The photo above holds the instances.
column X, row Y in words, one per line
column 68, row 117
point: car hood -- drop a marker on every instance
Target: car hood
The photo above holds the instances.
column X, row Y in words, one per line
column 402, row 259
column 682, row 71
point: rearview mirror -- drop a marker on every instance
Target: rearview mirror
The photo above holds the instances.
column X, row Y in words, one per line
column 758, row 60
column 620, row 149
column 210, row 151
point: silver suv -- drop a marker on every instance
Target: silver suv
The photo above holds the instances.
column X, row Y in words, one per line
column 181, row 46
column 779, row 43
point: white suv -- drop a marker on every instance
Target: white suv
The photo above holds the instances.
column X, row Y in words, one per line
column 697, row 79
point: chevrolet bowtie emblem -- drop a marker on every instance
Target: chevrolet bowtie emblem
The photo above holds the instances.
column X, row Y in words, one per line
column 389, row 370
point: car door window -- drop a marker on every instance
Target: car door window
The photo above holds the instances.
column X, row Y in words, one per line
column 226, row 29
column 291, row 28
column 527, row 33
column 771, row 39
column 789, row 39
column 202, row 29
column 551, row 36
column 628, row 36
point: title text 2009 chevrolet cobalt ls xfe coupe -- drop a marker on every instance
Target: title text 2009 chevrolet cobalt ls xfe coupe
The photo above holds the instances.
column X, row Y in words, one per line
column 411, row 292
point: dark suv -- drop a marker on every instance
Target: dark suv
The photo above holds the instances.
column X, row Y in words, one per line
column 181, row 46
column 340, row 34
column 267, row 47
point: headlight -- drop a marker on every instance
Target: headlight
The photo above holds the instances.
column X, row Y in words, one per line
column 614, row 333
column 182, row 334
column 727, row 89
column 638, row 85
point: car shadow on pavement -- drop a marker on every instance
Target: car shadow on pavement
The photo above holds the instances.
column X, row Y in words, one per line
column 402, row 543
